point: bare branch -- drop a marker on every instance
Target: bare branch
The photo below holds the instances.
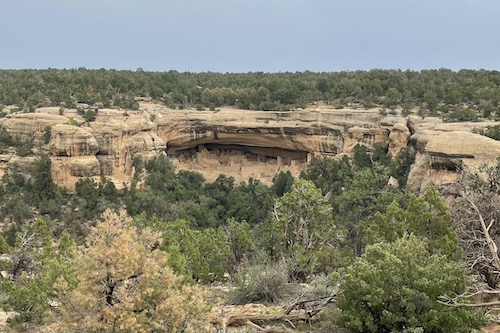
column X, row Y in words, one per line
column 298, row 311
column 490, row 225
column 471, row 305
column 489, row 241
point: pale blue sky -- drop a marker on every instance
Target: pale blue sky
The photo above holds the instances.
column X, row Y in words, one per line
column 250, row 35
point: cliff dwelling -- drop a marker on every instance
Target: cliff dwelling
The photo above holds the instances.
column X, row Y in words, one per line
column 239, row 161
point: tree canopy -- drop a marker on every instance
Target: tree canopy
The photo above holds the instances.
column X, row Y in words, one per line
column 434, row 91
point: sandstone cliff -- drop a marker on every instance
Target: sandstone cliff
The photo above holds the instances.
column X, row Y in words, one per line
column 241, row 143
column 238, row 143
column 444, row 149
column 104, row 147
column 259, row 144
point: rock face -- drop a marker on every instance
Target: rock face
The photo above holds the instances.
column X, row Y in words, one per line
column 259, row 144
column 105, row 147
column 398, row 138
column 72, row 141
column 30, row 124
column 443, row 150
column 240, row 143
column 121, row 138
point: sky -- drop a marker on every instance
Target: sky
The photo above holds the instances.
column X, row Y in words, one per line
column 250, row 35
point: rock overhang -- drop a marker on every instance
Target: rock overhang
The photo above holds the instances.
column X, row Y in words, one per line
column 263, row 142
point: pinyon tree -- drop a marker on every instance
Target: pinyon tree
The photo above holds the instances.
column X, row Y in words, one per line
column 125, row 285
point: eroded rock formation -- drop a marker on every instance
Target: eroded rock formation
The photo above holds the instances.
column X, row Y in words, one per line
column 444, row 149
column 104, row 147
column 241, row 143
column 259, row 144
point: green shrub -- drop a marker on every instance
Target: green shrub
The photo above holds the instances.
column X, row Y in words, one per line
column 6, row 140
column 90, row 115
column 326, row 321
column 47, row 134
column 491, row 132
column 401, row 164
column 395, row 287
column 72, row 122
column 463, row 114
column 24, row 149
column 321, row 285
column 260, row 283
column 268, row 106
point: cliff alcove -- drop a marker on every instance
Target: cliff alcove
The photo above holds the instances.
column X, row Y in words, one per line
column 239, row 161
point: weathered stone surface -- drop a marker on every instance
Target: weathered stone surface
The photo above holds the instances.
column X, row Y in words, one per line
column 27, row 125
column 242, row 143
column 21, row 164
column 87, row 166
column 111, row 126
column 72, row 141
column 310, row 131
column 67, row 171
column 442, row 155
column 398, row 138
column 106, row 163
column 417, row 124
column 226, row 138
column 393, row 182
column 365, row 136
column 123, row 135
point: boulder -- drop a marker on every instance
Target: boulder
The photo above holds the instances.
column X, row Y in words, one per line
column 393, row 182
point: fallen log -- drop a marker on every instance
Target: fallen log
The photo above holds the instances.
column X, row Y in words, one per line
column 239, row 320
column 299, row 311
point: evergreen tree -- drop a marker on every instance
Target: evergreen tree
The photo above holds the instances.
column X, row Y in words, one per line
column 426, row 216
column 395, row 287
column 125, row 285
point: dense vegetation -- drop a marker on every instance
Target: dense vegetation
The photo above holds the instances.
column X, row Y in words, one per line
column 263, row 239
column 463, row 95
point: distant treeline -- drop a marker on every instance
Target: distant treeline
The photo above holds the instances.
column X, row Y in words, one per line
column 434, row 91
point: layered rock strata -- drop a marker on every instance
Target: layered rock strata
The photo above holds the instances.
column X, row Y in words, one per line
column 240, row 143
column 259, row 144
column 444, row 150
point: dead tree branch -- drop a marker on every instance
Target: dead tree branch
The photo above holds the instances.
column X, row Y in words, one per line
column 489, row 241
column 298, row 311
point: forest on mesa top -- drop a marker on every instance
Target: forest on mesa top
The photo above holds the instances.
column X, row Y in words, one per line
column 457, row 96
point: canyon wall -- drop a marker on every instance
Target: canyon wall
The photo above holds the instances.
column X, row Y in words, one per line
column 239, row 143
column 444, row 150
